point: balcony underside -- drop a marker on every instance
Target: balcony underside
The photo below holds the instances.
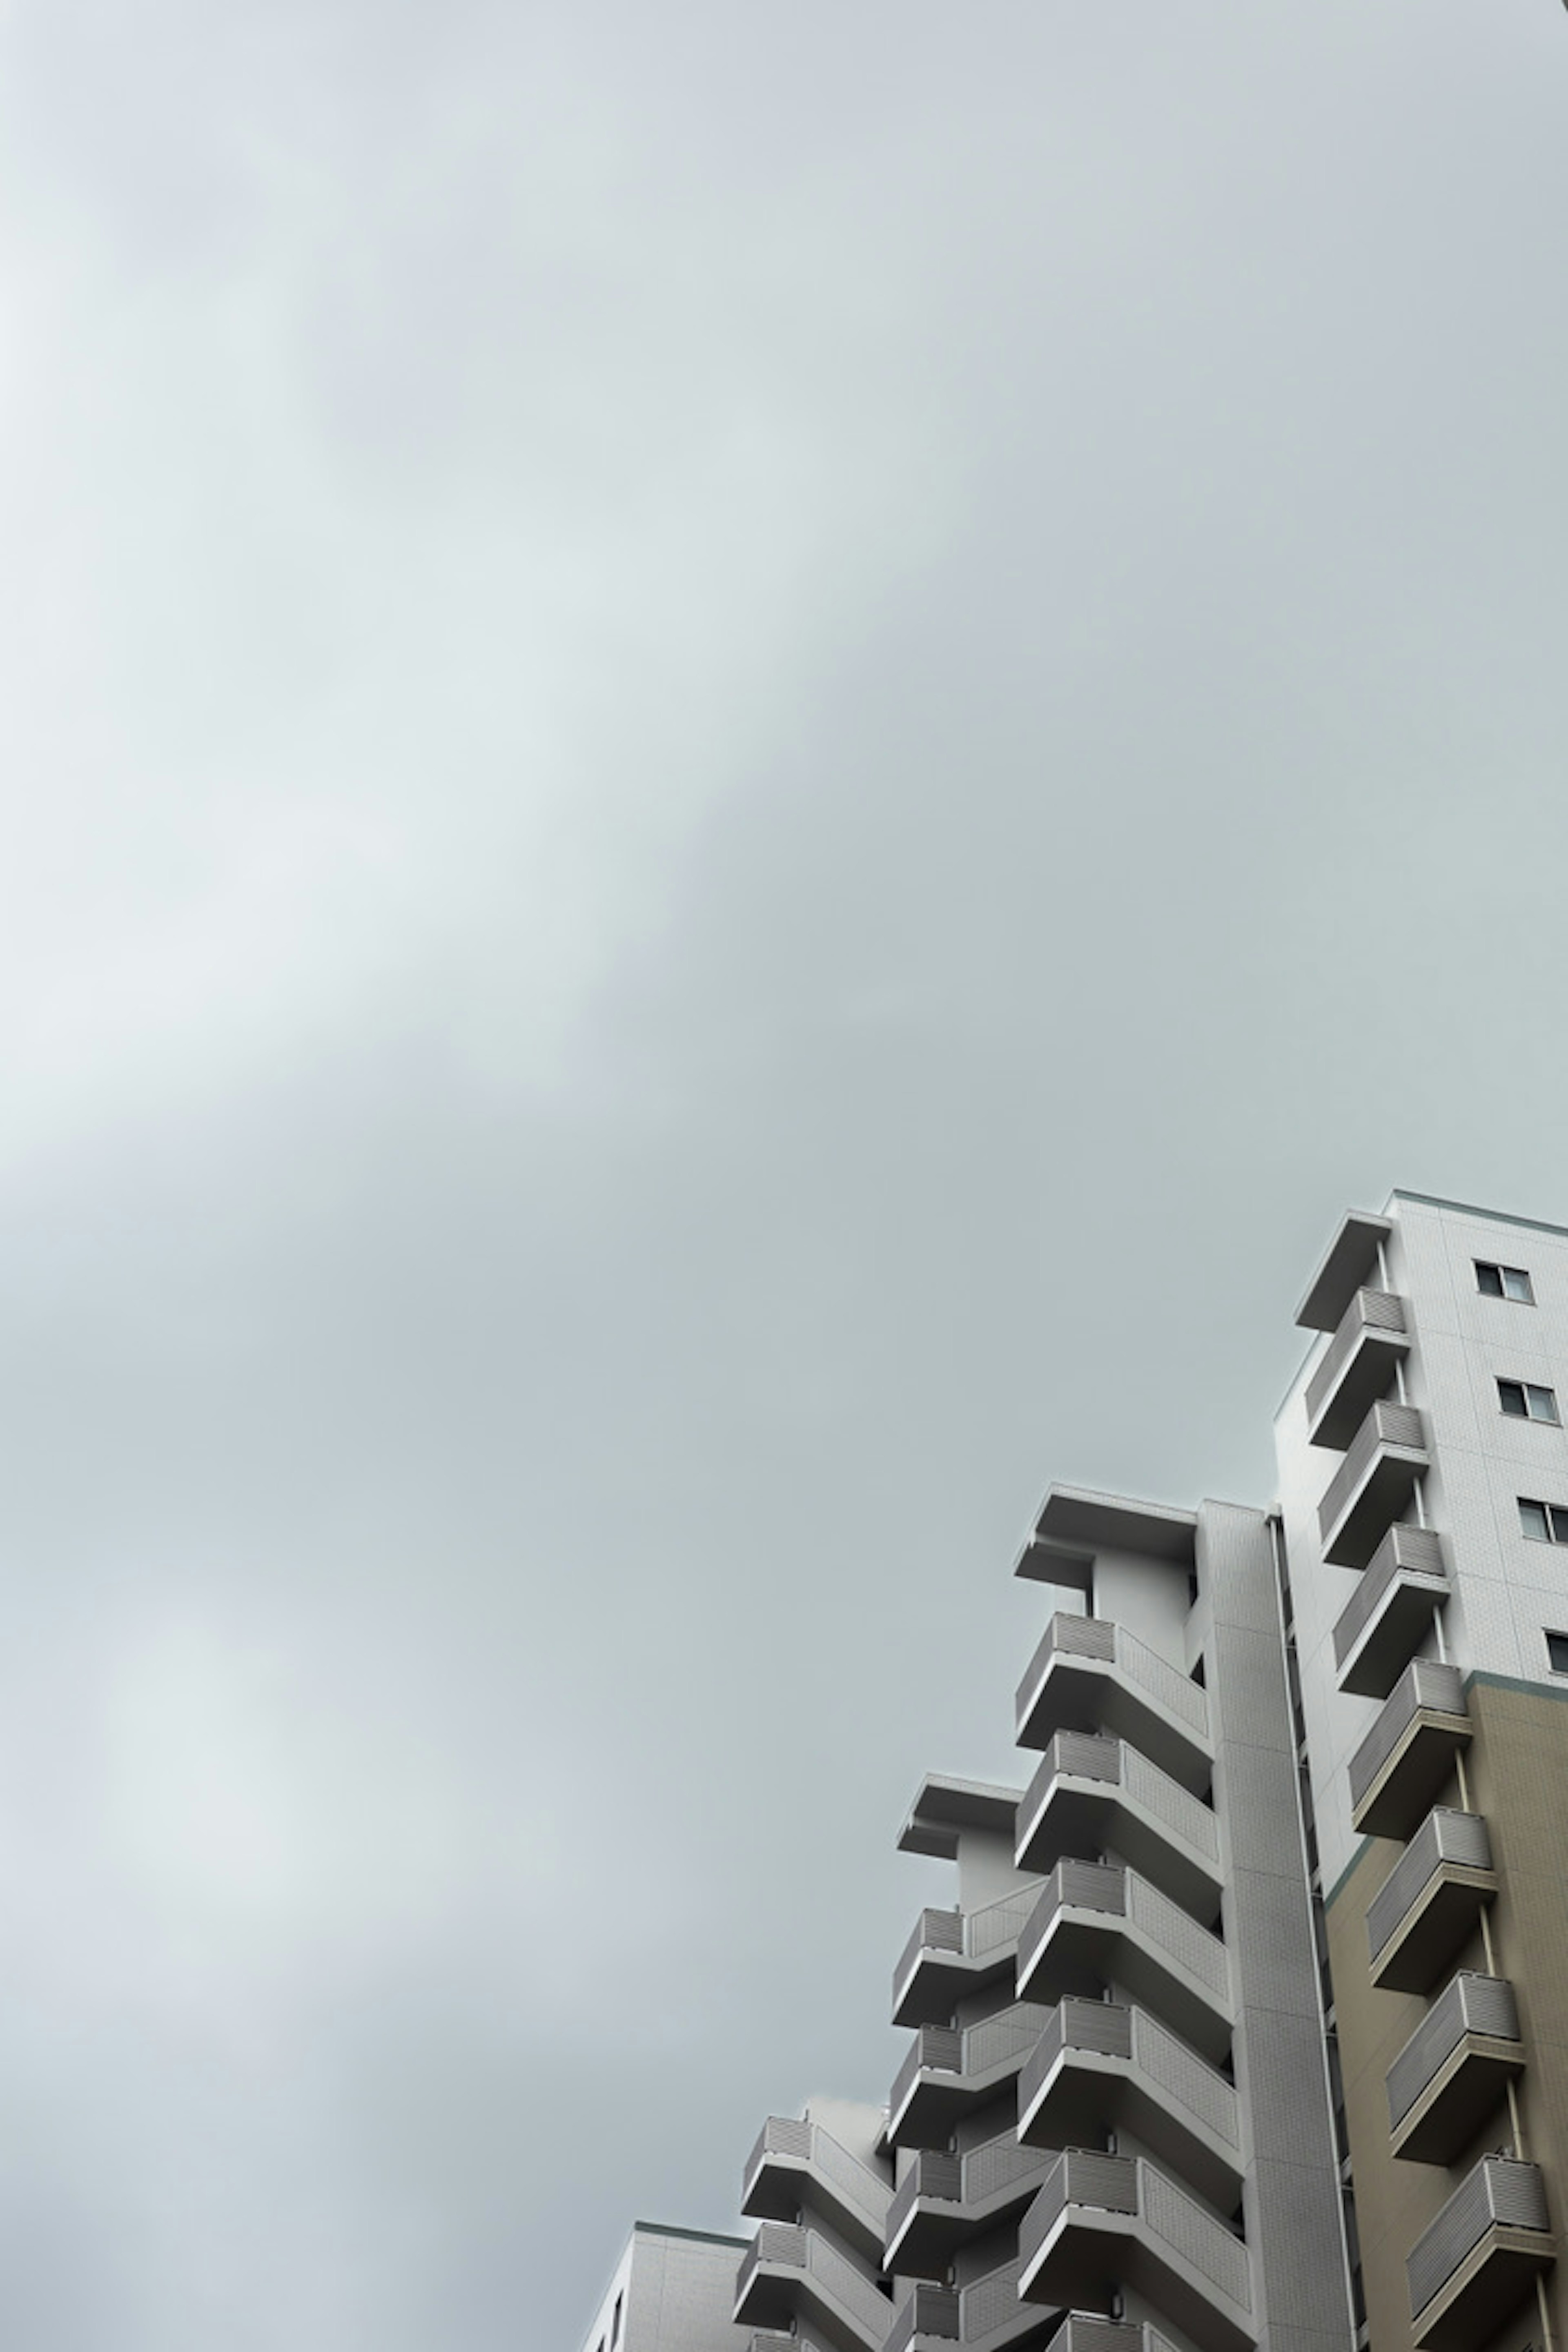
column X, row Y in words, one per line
column 937, row 2102
column 1366, row 1374
column 1090, row 2254
column 777, row 2295
column 1408, row 1784
column 1469, row 2085
column 1489, row 2284
column 1078, row 1694
column 1083, row 1950
column 1080, row 1816
column 784, row 2187
column 935, row 2230
column 1087, row 2091
column 938, row 1981
column 1393, row 1635
column 1378, row 1500
column 1443, row 1917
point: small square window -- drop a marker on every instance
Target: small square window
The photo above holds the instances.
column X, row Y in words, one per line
column 1557, row 1652
column 1543, row 1522
column 1504, row 1282
column 1525, row 1401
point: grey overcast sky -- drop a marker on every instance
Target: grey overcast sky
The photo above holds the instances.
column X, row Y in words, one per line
column 750, row 756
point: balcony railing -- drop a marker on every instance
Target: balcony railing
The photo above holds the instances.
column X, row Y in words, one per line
column 1085, row 2331
column 932, row 2176
column 1357, row 1365
column 929, row 2311
column 1092, row 1674
column 1452, row 2071
column 1167, row 2246
column 1409, row 1750
column 850, row 2302
column 936, row 2050
column 1373, row 1484
column 1385, row 1618
column 1177, row 2104
column 792, row 2154
column 1477, row 2260
column 1430, row 1900
column 1130, row 1805
column 957, row 1951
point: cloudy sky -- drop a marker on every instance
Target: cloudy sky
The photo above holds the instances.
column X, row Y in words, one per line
column 748, row 757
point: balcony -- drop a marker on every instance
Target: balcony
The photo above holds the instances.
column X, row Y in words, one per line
column 1385, row 1622
column 790, row 2272
column 1099, row 2064
column 1478, row 2259
column 1102, row 2219
column 796, row 2166
column 947, row 2074
column 1357, row 1367
column 944, row 2199
column 1094, row 1921
column 1454, row 2069
column 1092, row 1794
column 1409, row 1751
column 1085, row 2331
column 986, row 2316
column 1372, row 1484
column 954, row 1953
column 1430, row 1901
column 1089, row 1674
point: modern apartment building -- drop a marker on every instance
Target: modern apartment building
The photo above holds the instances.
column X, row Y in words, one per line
column 1248, row 2025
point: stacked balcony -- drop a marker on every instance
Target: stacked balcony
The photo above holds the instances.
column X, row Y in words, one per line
column 796, row 2167
column 951, row 2071
column 1481, row 2257
column 1093, row 1792
column 1454, row 2069
column 1101, row 2063
column 792, row 2272
column 944, row 2199
column 1090, row 1675
column 1409, row 1751
column 952, row 1954
column 1095, row 1922
column 1431, row 1901
column 1386, row 1620
column 1372, row 1484
column 1358, row 1367
column 1100, row 2218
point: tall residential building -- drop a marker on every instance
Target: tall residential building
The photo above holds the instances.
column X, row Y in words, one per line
column 1248, row 2025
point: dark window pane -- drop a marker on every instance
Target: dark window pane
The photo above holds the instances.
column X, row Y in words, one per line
column 1559, row 1524
column 1557, row 1652
column 1489, row 1279
column 1511, row 1396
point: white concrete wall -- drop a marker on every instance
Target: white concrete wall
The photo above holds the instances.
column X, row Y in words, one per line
column 1149, row 1597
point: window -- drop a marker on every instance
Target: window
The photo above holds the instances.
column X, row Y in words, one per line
column 1504, row 1282
column 1543, row 1522
column 1524, row 1402
column 1557, row 1652
column 615, row 2320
